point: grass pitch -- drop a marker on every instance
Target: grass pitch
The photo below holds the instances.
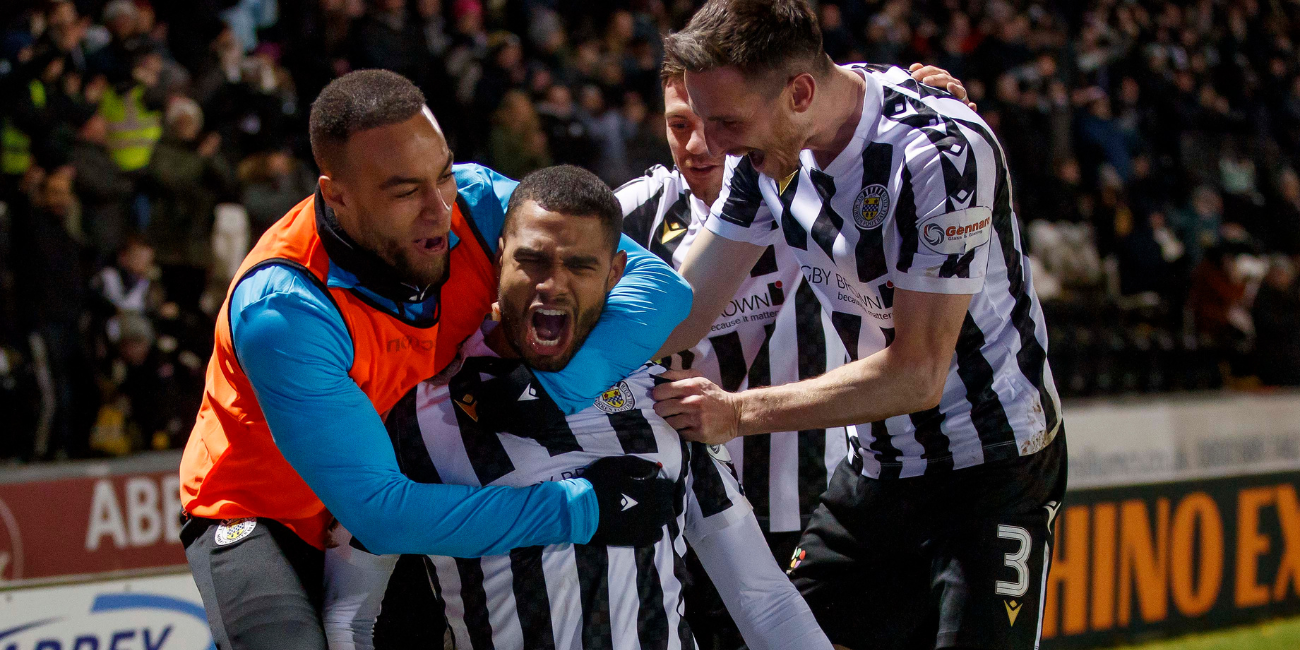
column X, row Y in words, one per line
column 1274, row 635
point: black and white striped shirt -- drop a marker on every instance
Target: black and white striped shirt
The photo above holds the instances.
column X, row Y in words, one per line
column 488, row 422
column 773, row 311
column 920, row 199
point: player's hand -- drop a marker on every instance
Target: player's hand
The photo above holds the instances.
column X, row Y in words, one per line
column 937, row 77
column 698, row 408
column 635, row 502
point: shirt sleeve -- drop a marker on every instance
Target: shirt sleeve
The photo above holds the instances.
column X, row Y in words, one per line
column 740, row 213
column 937, row 240
column 640, row 312
column 295, row 349
column 767, row 608
column 714, row 499
column 487, row 194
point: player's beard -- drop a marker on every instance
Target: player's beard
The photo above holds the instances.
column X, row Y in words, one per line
column 514, row 322
column 410, row 267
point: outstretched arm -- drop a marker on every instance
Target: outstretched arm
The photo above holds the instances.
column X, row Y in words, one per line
column 295, row 350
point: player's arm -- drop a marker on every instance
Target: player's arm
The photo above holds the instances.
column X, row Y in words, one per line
column 934, row 279
column 295, row 350
column 720, row 258
column 720, row 526
column 355, row 584
column 646, row 304
column 906, row 377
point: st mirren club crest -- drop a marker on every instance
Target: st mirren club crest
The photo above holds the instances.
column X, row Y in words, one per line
column 616, row 399
column 871, row 207
column 233, row 530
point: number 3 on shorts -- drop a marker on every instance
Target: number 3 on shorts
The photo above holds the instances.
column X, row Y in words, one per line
column 1016, row 560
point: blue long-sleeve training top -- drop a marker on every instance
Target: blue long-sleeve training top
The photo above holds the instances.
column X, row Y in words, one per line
column 296, row 351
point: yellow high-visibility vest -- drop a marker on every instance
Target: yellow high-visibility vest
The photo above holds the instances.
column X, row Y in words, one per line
column 15, row 145
column 133, row 130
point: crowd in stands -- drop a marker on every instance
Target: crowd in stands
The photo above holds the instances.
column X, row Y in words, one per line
column 147, row 145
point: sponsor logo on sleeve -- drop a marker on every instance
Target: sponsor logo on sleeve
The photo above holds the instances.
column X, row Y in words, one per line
column 871, row 207
column 954, row 233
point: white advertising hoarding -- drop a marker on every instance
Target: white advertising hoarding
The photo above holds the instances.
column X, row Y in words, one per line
column 152, row 613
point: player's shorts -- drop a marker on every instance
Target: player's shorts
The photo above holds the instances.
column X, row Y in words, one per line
column 957, row 559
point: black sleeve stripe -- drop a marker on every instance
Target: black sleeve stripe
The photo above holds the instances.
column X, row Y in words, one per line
column 743, row 198
column 710, row 491
column 634, row 432
column 905, row 221
column 408, row 443
column 531, row 600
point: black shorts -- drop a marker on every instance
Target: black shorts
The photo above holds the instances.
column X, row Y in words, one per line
column 957, row 559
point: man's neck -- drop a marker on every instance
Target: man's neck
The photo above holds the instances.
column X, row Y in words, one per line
column 835, row 113
column 495, row 340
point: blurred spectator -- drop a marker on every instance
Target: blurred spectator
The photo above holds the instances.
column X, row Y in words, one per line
column 517, row 144
column 610, row 131
column 1284, row 214
column 1276, row 316
column 132, row 113
column 1198, row 225
column 566, row 132
column 52, row 289
column 126, row 283
column 187, row 177
column 272, row 182
column 1215, row 300
column 104, row 189
column 1139, row 135
column 388, row 37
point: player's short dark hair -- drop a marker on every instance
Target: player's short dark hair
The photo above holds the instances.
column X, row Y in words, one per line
column 670, row 71
column 357, row 101
column 571, row 191
column 758, row 37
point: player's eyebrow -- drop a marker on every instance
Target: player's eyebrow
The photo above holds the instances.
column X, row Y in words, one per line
column 582, row 260
column 394, row 181
column 451, row 157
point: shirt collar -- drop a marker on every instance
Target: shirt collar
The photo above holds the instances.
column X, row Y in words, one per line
column 352, row 266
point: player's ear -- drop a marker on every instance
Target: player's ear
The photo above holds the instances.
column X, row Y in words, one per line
column 332, row 191
column 802, row 89
column 616, row 270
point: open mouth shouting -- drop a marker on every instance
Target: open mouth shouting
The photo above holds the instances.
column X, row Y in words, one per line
column 549, row 331
column 430, row 245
